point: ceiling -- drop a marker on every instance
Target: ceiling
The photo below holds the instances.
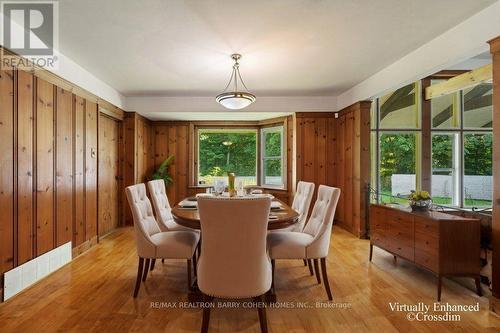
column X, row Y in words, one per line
column 289, row 47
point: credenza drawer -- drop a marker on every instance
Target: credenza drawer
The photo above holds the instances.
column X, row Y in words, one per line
column 426, row 259
column 402, row 250
column 426, row 226
column 400, row 221
column 427, row 242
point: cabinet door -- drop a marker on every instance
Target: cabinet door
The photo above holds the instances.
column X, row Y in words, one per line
column 400, row 234
column 377, row 226
column 427, row 243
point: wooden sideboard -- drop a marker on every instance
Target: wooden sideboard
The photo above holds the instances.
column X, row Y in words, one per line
column 444, row 244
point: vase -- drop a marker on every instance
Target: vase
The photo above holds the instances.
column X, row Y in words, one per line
column 230, row 184
column 420, row 205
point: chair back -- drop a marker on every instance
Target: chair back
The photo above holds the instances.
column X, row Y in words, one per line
column 320, row 223
column 158, row 193
column 302, row 202
column 144, row 221
column 234, row 261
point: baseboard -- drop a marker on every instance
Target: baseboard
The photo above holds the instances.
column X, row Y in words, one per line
column 77, row 250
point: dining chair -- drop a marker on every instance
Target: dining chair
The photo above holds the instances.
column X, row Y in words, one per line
column 162, row 209
column 151, row 242
column 314, row 242
column 301, row 203
column 234, row 263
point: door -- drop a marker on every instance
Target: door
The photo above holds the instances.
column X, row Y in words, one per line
column 109, row 175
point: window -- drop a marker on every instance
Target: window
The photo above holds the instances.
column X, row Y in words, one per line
column 272, row 156
column 460, row 149
column 397, row 164
column 478, row 179
column 445, row 168
column 227, row 150
column 395, row 143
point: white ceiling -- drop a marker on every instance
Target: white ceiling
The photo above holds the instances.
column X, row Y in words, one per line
column 289, row 47
column 233, row 116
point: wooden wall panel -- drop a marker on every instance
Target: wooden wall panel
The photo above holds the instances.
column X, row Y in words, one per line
column 7, row 169
column 145, row 156
column 45, row 167
column 64, row 166
column 79, row 164
column 129, row 160
column 313, row 148
column 25, row 167
column 109, row 185
column 172, row 150
column 91, row 136
column 495, row 51
column 352, row 166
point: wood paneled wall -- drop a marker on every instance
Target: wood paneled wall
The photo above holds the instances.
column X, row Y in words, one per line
column 351, row 162
column 138, row 158
column 495, row 51
column 48, row 168
column 315, row 148
column 173, row 138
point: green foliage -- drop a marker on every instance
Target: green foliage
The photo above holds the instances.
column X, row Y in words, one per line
column 478, row 159
column 217, row 159
column 162, row 171
column 397, row 155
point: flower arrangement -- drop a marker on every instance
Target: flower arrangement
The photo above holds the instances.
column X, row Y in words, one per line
column 420, row 200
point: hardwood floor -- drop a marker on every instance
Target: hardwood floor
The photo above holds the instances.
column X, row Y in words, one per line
column 94, row 293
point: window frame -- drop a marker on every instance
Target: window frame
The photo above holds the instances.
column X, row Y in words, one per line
column 263, row 158
column 424, row 141
column 196, row 157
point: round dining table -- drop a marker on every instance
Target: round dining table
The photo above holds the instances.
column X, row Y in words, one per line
column 188, row 216
column 278, row 218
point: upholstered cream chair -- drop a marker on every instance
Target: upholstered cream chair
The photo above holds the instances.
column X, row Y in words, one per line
column 301, row 203
column 314, row 241
column 161, row 206
column 151, row 242
column 234, row 263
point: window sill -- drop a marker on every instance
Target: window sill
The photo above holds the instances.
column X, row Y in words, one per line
column 270, row 188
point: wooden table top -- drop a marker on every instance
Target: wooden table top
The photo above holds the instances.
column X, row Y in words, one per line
column 430, row 214
column 190, row 218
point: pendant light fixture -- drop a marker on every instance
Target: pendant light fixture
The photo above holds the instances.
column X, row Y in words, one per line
column 235, row 99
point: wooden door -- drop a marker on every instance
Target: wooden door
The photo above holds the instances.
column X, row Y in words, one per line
column 109, row 175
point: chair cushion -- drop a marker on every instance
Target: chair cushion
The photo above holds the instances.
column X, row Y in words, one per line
column 175, row 244
column 288, row 244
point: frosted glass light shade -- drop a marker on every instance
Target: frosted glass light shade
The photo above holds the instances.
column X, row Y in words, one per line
column 235, row 100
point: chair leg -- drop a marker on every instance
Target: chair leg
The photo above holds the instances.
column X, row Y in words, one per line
column 195, row 269
column 305, row 262
column 146, row 269
column 139, row 275
column 206, row 314
column 189, row 273
column 309, row 263
column 262, row 314
column 163, row 261
column 153, row 261
column 316, row 271
column 325, row 279
column 478, row 286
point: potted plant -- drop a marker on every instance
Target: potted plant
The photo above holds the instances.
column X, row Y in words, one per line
column 162, row 171
column 420, row 200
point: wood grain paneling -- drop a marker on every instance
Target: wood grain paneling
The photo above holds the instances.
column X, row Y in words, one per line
column 109, row 185
column 79, row 162
column 495, row 51
column 91, row 136
column 45, row 167
column 314, row 148
column 64, row 166
column 7, row 169
column 25, row 170
column 352, row 166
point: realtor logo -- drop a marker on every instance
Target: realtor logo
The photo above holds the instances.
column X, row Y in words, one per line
column 30, row 29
